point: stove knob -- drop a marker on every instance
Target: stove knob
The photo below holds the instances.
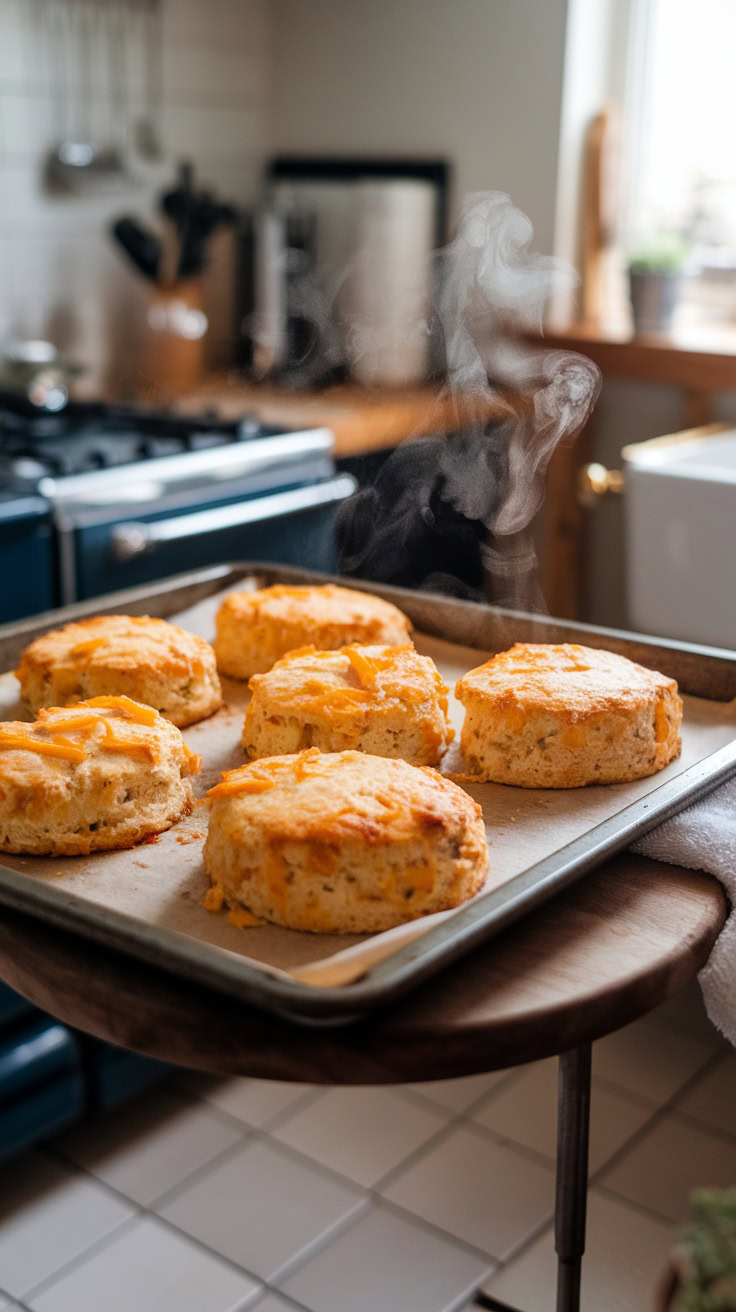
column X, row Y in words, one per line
column 129, row 540
column 248, row 427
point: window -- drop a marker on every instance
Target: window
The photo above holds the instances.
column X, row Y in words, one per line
column 683, row 155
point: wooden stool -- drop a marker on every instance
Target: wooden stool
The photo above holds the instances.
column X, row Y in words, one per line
column 602, row 954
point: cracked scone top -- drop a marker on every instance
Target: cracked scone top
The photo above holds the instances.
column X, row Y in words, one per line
column 388, row 701
column 255, row 628
column 103, row 774
column 135, row 656
column 544, row 716
column 343, row 842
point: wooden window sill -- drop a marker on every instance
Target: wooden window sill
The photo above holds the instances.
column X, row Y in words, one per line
column 704, row 358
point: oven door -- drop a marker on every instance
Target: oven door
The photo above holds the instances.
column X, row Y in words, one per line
column 26, row 559
column 291, row 526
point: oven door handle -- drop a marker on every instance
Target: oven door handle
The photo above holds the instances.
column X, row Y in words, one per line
column 134, row 538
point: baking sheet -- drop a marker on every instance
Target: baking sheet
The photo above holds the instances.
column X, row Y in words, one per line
column 162, row 882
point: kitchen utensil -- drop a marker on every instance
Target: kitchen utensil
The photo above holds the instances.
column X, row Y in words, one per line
column 195, row 216
column 151, row 920
column 142, row 247
column 148, row 128
column 80, row 162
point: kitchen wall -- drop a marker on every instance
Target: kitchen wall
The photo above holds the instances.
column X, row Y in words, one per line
column 59, row 273
column 506, row 92
column 478, row 82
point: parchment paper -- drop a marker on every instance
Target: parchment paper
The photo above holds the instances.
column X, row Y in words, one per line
column 163, row 881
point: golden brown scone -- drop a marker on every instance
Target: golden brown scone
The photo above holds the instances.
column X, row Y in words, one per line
column 103, row 774
column 562, row 716
column 388, row 701
column 133, row 656
column 343, row 843
column 255, row 628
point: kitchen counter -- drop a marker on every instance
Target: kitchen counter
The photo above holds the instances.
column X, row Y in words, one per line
column 362, row 419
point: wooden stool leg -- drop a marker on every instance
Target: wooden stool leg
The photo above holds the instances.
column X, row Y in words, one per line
column 573, row 1124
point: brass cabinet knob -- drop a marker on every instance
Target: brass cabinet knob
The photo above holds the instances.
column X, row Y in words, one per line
column 595, row 481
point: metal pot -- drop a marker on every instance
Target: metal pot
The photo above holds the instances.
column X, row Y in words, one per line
column 36, row 375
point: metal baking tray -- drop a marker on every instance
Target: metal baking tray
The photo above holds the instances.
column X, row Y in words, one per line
column 702, row 672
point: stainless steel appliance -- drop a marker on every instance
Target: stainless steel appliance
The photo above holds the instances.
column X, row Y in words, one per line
column 131, row 495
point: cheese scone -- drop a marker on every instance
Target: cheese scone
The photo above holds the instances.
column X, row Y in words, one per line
column 388, row 701
column 342, row 842
column 562, row 716
column 103, row 774
column 135, row 656
column 255, row 628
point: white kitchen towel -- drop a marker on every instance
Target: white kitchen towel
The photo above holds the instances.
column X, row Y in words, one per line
column 704, row 838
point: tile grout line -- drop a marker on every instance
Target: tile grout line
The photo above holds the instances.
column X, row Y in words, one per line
column 250, row 1134
column 301, row 1102
column 313, row 1249
column 403, row 1213
column 99, row 1245
column 631, row 1141
column 706, row 1127
column 642, row 1209
column 222, row 1153
column 415, row 1095
column 139, row 1210
column 266, row 1134
column 662, row 1110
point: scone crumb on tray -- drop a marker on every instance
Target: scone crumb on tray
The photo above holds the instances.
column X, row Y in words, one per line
column 243, row 919
column 214, row 898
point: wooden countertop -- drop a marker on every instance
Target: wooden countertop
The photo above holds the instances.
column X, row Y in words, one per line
column 361, row 419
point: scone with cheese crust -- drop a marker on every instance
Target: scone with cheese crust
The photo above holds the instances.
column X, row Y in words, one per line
column 343, row 842
column 103, row 774
column 135, row 656
column 388, row 701
column 255, row 628
column 544, row 716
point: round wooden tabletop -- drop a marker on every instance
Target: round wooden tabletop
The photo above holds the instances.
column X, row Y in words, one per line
column 605, row 952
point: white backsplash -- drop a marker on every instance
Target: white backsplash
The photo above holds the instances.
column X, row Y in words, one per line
column 60, row 275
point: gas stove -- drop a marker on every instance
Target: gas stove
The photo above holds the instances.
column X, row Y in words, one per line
column 88, row 437
column 135, row 494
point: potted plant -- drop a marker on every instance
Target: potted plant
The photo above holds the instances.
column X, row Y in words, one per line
column 702, row 1274
column 656, row 275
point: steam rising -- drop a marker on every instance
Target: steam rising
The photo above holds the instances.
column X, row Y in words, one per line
column 491, row 295
column 493, row 291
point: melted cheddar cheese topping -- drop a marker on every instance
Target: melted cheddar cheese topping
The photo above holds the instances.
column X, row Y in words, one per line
column 337, row 683
column 135, row 710
column 60, row 748
column 263, row 775
column 101, row 717
column 87, row 647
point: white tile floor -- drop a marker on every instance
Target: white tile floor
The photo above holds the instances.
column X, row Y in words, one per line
column 214, row 1197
